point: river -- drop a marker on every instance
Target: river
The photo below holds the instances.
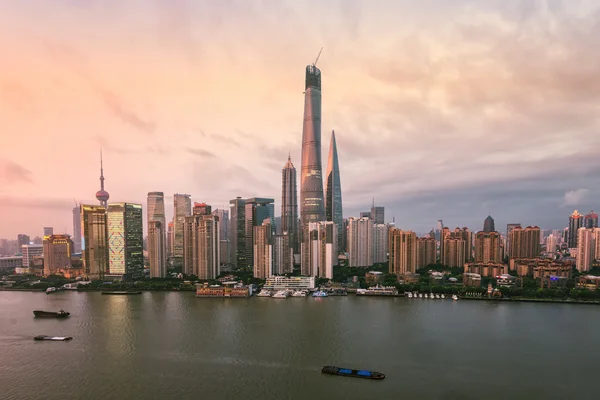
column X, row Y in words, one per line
column 170, row 345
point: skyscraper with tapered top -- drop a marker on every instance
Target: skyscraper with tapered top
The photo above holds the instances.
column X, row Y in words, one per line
column 333, row 191
column 289, row 204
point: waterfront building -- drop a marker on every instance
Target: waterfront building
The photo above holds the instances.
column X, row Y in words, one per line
column 360, row 242
column 322, row 248
column 102, row 195
column 76, row 229
column 283, row 254
column 575, row 222
column 182, row 208
column 591, row 220
column 263, row 250
column 486, row 269
column 237, row 232
column 29, row 252
column 11, row 262
column 57, row 250
column 487, row 247
column 95, row 241
column 380, row 243
column 454, row 252
column 471, row 280
column 333, row 191
column 125, row 240
column 229, row 289
column 586, row 247
column 157, row 255
column 426, row 248
column 488, row 224
column 201, row 243
column 289, row 205
column 156, row 249
column 48, row 231
column 257, row 209
column 275, row 283
column 403, row 252
column 524, row 243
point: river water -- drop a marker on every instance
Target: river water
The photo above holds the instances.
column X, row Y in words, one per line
column 175, row 346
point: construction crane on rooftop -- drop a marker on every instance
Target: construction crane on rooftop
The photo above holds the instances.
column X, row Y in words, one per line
column 319, row 55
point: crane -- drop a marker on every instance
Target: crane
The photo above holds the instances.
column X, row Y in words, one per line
column 319, row 55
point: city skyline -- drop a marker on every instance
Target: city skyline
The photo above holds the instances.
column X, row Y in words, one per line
column 440, row 136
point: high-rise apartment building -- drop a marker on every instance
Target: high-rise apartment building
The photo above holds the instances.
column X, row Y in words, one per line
column 48, row 230
column 182, row 208
column 380, row 243
column 125, row 239
column 237, row 233
column 263, row 249
column 487, row 247
column 94, row 241
column 524, row 243
column 289, row 205
column 586, row 248
column 596, row 234
column 283, row 254
column 488, row 224
column 322, row 249
column 57, row 254
column 156, row 212
column 591, row 220
column 333, row 191
column 156, row 249
column 76, row 229
column 551, row 243
column 454, row 252
column 202, row 244
column 360, row 242
column 509, row 228
column 426, row 248
column 403, row 252
column 575, row 222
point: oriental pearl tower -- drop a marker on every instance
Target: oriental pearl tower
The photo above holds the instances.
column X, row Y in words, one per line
column 102, row 195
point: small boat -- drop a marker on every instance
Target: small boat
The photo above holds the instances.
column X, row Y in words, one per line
column 454, row 297
column 319, row 293
column 51, row 290
column 300, row 293
column 420, row 295
column 355, row 373
column 54, row 338
column 426, row 295
column 264, row 293
column 442, row 296
column 122, row 292
column 410, row 295
column 51, row 314
column 282, row 294
column 437, row 296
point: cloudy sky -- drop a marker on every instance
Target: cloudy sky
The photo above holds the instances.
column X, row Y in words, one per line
column 443, row 109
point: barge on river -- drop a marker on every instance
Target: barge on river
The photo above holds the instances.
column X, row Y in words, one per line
column 354, row 373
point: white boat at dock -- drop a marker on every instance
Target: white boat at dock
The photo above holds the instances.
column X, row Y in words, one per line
column 300, row 293
column 264, row 293
column 282, row 294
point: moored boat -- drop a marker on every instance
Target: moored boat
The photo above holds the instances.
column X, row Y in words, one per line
column 442, row 296
column 282, row 294
column 300, row 293
column 122, row 292
column 51, row 290
column 264, row 293
column 53, row 338
column 319, row 293
column 454, row 297
column 378, row 291
column 355, row 373
column 51, row 314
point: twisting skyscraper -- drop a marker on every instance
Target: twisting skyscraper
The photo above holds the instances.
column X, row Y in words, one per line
column 333, row 193
column 312, row 207
column 289, row 204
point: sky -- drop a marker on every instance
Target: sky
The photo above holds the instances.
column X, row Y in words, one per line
column 443, row 109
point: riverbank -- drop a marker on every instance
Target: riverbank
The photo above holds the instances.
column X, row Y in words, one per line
column 533, row 300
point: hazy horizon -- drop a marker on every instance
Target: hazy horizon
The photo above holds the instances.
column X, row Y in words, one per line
column 443, row 109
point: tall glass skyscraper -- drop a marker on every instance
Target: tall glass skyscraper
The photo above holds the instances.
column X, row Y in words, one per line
column 94, row 241
column 289, row 204
column 125, row 239
column 157, row 253
column 182, row 208
column 333, row 193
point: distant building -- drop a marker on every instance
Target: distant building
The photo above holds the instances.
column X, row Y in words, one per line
column 551, row 243
column 575, row 222
column 586, row 247
column 591, row 220
column 170, row 239
column 237, row 233
column 454, row 252
column 201, row 244
column 380, row 243
column 283, row 254
column 403, row 252
column 360, row 242
column 125, row 239
column 322, row 249
column 22, row 239
column 257, row 209
column 488, row 224
column 48, row 230
column 95, row 241
column 223, row 234
column 289, row 205
column 378, row 214
column 57, row 254
column 487, row 247
column 156, row 249
column 76, row 229
column 426, row 248
column 182, row 208
column 509, row 228
column 29, row 252
column 333, row 191
column 524, row 243
column 263, row 250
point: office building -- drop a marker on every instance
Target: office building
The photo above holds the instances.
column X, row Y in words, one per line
column 289, row 205
column 333, row 191
column 95, row 241
column 322, row 249
column 257, row 209
column 575, row 222
column 524, row 243
column 182, row 208
column 237, row 233
column 586, row 247
column 488, row 225
column 170, row 240
column 57, row 254
column 426, row 249
column 377, row 214
column 488, row 247
column 360, row 242
column 591, row 220
column 223, row 234
column 403, row 252
column 380, row 243
column 48, row 230
column 365, row 214
column 29, row 252
column 22, row 239
column 125, row 240
column 157, row 249
column 263, row 249
column 283, row 255
column 202, row 243
column 76, row 229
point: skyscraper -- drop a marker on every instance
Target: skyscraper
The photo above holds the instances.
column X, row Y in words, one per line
column 425, row 252
column 360, row 242
column 454, row 252
column 575, row 222
column 488, row 224
column 377, row 213
column 94, row 241
column 202, row 243
column 224, row 235
column 283, row 255
column 102, row 195
column 289, row 204
column 591, row 220
column 182, row 208
column 403, row 252
column 237, row 232
column 487, row 247
column 22, row 239
column 586, row 247
column 76, row 229
column 524, row 243
column 380, row 243
column 509, row 228
column 125, row 239
column 57, row 253
column 333, row 192
column 322, row 249
column 257, row 209
column 312, row 208
column 262, row 252
column 156, row 212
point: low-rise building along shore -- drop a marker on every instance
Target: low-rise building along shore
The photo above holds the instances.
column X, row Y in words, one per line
column 229, row 289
